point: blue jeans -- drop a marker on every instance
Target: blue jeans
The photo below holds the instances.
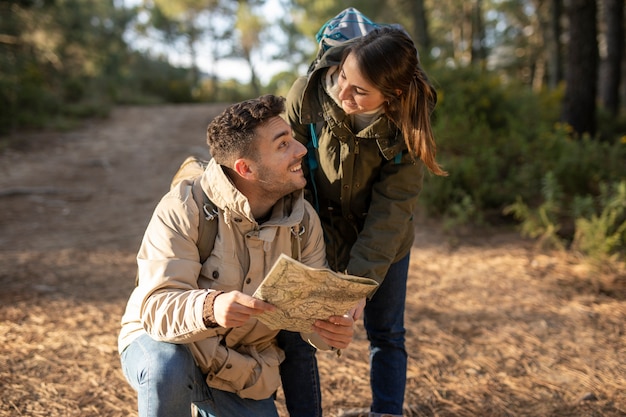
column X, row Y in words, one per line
column 383, row 319
column 168, row 381
column 298, row 372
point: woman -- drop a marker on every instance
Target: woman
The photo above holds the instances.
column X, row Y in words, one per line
column 364, row 109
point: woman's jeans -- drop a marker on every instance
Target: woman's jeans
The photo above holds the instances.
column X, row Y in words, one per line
column 299, row 375
column 383, row 319
column 168, row 381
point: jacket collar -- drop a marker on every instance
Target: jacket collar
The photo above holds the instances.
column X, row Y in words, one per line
column 288, row 211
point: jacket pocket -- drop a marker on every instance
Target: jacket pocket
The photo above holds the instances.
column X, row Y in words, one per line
column 221, row 274
column 267, row 381
column 248, row 373
column 235, row 372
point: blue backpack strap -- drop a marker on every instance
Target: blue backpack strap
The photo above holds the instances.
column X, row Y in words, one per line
column 312, row 146
column 314, row 139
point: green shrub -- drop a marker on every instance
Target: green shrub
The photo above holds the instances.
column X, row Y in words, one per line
column 484, row 131
column 543, row 222
column 602, row 235
column 600, row 223
column 499, row 142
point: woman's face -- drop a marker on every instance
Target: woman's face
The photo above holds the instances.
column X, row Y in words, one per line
column 356, row 94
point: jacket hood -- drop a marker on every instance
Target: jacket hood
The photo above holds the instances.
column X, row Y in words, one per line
column 312, row 113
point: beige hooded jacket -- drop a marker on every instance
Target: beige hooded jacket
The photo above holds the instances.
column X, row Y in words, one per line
column 168, row 302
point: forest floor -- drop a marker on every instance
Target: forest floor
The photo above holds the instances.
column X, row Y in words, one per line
column 495, row 327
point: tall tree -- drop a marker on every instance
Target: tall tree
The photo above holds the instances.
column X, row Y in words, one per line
column 554, row 50
column 422, row 38
column 610, row 81
column 478, row 54
column 191, row 21
column 579, row 108
column 57, row 52
column 250, row 27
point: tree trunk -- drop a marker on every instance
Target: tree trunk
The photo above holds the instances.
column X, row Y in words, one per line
column 555, row 52
column 611, row 64
column 478, row 34
column 254, row 79
column 582, row 67
column 192, row 40
column 463, row 47
column 421, row 27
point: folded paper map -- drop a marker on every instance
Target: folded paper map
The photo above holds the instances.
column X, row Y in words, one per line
column 304, row 294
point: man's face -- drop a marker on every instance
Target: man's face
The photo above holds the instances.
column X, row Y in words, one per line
column 278, row 159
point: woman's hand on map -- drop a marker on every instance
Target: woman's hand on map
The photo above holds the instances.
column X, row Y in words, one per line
column 357, row 311
column 337, row 331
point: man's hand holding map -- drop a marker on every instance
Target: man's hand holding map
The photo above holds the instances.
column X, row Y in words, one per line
column 303, row 294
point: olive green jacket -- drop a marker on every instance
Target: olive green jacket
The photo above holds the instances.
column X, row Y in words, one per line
column 367, row 183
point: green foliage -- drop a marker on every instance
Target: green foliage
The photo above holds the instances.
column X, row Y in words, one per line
column 611, row 128
column 66, row 60
column 461, row 213
column 484, row 131
column 281, row 83
column 498, row 140
column 230, row 91
column 602, row 236
column 600, row 223
column 510, row 159
column 541, row 223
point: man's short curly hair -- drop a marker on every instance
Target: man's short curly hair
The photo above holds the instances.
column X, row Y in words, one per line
column 231, row 134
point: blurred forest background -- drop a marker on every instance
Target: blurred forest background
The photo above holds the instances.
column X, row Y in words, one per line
column 531, row 121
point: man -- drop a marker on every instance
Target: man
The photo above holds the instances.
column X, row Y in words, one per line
column 189, row 333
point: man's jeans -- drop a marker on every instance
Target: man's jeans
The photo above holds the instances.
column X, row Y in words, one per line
column 168, row 381
column 384, row 322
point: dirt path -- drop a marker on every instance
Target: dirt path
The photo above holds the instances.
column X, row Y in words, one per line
column 494, row 328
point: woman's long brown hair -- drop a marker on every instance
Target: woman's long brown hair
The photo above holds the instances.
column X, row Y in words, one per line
column 388, row 57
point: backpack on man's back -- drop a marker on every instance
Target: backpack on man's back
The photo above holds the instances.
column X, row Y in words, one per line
column 192, row 168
